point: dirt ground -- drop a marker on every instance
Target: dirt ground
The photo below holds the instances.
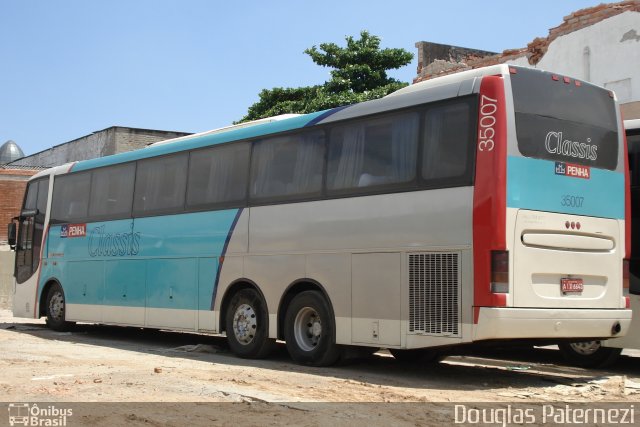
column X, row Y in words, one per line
column 110, row 364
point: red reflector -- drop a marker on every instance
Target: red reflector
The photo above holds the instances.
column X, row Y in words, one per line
column 578, row 83
column 555, row 78
column 625, row 274
column 513, row 70
column 567, row 80
column 500, row 271
column 627, row 302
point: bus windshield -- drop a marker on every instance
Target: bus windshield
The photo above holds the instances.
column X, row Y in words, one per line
column 562, row 119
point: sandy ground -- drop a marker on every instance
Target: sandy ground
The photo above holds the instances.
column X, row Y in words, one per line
column 110, row 364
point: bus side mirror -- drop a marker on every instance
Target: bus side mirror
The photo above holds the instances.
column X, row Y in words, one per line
column 11, row 235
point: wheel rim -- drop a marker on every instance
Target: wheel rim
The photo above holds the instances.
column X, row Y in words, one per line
column 586, row 348
column 307, row 329
column 56, row 306
column 245, row 324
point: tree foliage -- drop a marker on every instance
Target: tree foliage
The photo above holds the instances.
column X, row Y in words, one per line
column 359, row 74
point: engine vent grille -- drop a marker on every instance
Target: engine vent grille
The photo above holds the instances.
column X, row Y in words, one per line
column 434, row 293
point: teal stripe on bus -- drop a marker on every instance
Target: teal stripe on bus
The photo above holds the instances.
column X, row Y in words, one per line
column 156, row 262
column 202, row 141
column 533, row 184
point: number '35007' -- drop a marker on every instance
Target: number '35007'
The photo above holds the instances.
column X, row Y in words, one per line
column 487, row 131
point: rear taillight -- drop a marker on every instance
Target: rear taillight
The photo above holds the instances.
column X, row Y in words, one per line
column 500, row 272
column 625, row 274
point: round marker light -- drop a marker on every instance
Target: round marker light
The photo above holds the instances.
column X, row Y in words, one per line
column 573, row 225
column 578, row 225
column 567, row 224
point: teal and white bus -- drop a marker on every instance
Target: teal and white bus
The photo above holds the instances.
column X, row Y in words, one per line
column 488, row 205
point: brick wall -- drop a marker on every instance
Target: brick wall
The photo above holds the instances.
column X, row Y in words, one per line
column 12, row 185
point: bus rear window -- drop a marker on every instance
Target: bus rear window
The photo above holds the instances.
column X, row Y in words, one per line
column 561, row 121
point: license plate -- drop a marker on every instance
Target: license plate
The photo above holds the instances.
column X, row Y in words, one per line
column 571, row 285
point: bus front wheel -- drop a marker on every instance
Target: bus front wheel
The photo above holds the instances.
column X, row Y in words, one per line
column 56, row 309
column 589, row 354
column 247, row 323
column 309, row 330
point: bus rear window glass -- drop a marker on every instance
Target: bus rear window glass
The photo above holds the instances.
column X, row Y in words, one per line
column 447, row 151
column 160, row 185
column 288, row 166
column 218, row 175
column 71, row 197
column 112, row 191
column 376, row 152
column 563, row 121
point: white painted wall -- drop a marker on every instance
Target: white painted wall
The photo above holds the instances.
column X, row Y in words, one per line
column 613, row 58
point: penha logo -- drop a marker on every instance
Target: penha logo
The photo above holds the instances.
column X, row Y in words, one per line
column 73, row 230
column 575, row 171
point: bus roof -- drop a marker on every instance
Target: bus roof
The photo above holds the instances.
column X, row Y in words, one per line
column 440, row 88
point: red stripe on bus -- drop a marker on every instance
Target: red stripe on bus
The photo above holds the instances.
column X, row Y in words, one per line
column 44, row 241
column 627, row 196
column 490, row 190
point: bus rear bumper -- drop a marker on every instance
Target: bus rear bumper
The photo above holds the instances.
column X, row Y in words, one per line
column 505, row 323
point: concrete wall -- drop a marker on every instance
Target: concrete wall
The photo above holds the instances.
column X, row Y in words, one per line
column 128, row 139
column 6, row 278
column 106, row 142
column 88, row 147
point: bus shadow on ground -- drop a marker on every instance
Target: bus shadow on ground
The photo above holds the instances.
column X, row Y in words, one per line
column 484, row 368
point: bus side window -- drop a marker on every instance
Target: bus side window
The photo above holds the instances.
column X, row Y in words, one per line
column 71, row 197
column 288, row 166
column 112, row 191
column 446, row 142
column 218, row 175
column 375, row 152
column 160, row 184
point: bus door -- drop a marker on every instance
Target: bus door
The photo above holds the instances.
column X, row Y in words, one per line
column 31, row 229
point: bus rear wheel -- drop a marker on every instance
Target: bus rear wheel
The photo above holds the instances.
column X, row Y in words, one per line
column 589, row 354
column 310, row 330
column 247, row 325
column 55, row 309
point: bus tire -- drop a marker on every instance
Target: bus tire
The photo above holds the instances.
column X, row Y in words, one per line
column 589, row 354
column 55, row 309
column 247, row 325
column 309, row 330
column 424, row 355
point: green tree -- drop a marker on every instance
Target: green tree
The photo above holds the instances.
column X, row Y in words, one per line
column 359, row 74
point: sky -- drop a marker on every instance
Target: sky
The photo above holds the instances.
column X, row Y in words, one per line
column 72, row 67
